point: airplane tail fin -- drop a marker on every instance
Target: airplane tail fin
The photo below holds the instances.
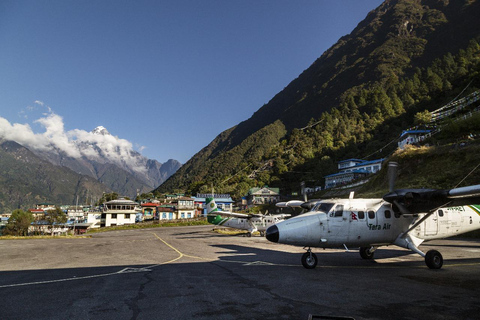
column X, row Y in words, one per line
column 210, row 205
column 212, row 217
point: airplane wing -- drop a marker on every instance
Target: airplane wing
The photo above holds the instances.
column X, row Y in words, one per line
column 411, row 201
column 235, row 214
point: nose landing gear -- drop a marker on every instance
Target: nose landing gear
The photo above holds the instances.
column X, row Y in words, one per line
column 309, row 259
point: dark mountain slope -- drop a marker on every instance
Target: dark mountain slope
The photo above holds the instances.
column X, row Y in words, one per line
column 389, row 46
column 26, row 180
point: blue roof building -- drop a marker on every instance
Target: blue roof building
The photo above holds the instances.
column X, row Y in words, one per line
column 352, row 169
column 412, row 137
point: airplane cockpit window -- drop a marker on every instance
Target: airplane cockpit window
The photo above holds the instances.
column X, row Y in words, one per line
column 440, row 213
column 323, row 207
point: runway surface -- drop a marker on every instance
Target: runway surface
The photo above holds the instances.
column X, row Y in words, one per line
column 194, row 273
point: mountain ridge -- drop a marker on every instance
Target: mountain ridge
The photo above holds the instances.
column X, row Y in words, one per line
column 127, row 177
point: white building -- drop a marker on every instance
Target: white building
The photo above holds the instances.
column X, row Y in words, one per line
column 115, row 213
column 413, row 137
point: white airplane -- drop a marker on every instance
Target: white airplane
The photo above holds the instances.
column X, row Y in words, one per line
column 242, row 221
column 404, row 218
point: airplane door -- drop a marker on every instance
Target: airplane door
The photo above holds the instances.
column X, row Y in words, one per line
column 337, row 225
column 431, row 225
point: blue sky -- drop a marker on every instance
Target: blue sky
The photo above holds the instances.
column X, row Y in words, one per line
column 168, row 76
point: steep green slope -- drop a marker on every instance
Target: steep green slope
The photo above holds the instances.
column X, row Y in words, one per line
column 406, row 56
column 443, row 167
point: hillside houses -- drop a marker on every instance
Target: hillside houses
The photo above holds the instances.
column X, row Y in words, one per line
column 352, row 170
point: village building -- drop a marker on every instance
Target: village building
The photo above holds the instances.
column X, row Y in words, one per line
column 166, row 212
column 224, row 202
column 115, row 213
column 149, row 210
column 185, row 207
column 37, row 213
column 409, row 137
column 263, row 195
column 174, row 196
column 45, row 206
column 351, row 170
column 3, row 223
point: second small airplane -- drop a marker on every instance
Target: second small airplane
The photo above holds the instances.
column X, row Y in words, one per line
column 242, row 221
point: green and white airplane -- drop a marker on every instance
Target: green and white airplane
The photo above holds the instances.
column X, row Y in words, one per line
column 242, row 221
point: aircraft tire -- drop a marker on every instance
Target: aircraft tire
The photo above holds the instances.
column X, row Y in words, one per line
column 434, row 259
column 366, row 254
column 249, row 234
column 309, row 260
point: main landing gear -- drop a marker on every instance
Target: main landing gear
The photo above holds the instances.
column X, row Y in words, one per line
column 433, row 258
column 367, row 252
column 309, row 259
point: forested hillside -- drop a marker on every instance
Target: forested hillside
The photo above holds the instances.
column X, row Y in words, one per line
column 26, row 180
column 407, row 56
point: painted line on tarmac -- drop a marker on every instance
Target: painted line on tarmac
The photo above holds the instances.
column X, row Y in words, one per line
column 180, row 254
column 125, row 270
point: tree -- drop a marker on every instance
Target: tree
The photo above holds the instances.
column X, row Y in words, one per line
column 55, row 216
column 422, row 118
column 18, row 223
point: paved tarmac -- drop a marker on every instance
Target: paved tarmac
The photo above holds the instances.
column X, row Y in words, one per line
column 194, row 273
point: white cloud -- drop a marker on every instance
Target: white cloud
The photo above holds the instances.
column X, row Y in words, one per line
column 75, row 143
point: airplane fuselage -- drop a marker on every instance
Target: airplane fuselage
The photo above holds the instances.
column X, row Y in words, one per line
column 252, row 224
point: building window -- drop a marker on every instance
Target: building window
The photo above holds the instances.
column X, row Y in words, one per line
column 127, row 216
column 114, row 216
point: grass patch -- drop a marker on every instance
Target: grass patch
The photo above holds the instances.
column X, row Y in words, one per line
column 148, row 225
column 42, row 237
column 233, row 232
column 141, row 225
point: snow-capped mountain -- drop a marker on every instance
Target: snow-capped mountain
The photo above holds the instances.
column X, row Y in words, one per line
column 112, row 161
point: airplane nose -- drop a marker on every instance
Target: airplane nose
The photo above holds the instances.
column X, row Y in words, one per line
column 272, row 234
